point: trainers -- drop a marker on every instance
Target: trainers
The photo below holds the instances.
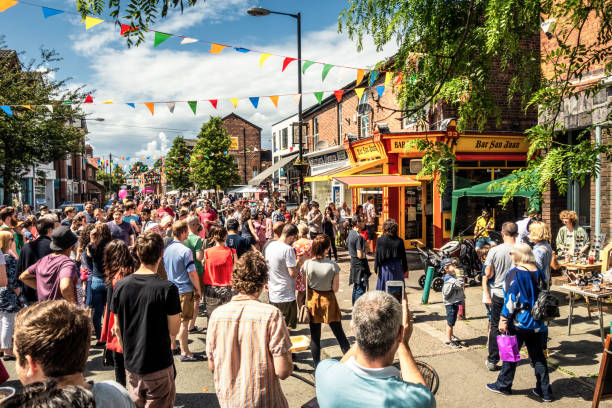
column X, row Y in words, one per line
column 494, row 388
column 490, row 366
column 538, row 394
column 453, row 344
column 455, row 339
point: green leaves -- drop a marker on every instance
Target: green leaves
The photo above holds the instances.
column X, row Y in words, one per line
column 438, row 160
column 176, row 165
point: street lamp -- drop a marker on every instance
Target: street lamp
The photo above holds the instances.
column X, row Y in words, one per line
column 259, row 12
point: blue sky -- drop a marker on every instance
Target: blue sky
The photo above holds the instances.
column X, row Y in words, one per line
column 99, row 59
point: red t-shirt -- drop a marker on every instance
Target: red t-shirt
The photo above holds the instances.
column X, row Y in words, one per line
column 165, row 211
column 219, row 264
column 209, row 215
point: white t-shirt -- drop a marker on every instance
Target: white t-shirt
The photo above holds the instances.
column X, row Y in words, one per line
column 280, row 257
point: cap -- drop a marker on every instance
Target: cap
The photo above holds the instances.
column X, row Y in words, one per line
column 445, row 262
column 62, row 238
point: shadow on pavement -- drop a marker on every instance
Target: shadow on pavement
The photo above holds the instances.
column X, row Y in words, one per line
column 579, row 352
column 208, row 399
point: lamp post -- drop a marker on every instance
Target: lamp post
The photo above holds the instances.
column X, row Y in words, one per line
column 259, row 12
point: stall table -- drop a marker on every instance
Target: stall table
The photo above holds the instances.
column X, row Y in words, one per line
column 596, row 267
column 587, row 292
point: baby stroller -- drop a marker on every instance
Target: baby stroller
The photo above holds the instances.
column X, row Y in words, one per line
column 469, row 261
column 433, row 258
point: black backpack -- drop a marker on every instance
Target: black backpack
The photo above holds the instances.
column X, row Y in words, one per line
column 546, row 306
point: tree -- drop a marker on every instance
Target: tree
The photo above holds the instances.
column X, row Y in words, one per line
column 33, row 134
column 176, row 166
column 158, row 163
column 139, row 168
column 117, row 178
column 448, row 51
column 212, row 165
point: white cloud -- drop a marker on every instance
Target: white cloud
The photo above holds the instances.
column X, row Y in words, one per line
column 155, row 148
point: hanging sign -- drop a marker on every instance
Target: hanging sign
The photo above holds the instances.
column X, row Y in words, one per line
column 234, row 145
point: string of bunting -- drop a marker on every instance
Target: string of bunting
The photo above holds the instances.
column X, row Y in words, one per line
column 215, row 48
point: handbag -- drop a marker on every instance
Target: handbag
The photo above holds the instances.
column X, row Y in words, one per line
column 303, row 312
column 508, row 348
column 107, row 357
column 4, row 375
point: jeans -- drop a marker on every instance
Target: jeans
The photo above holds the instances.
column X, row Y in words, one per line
column 119, row 368
column 482, row 241
column 315, row 337
column 98, row 301
column 332, row 249
column 7, row 323
column 534, row 342
column 496, row 308
column 359, row 289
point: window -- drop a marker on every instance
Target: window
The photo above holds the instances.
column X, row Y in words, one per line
column 284, row 138
column 364, row 126
column 236, row 161
column 315, row 133
column 69, row 171
column 255, row 171
column 274, row 141
column 363, row 110
column 340, row 137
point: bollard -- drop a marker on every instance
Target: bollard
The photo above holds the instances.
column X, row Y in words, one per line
column 428, row 279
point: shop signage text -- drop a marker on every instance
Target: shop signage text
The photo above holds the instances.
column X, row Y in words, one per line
column 402, row 146
column 491, row 144
column 368, row 151
column 234, row 144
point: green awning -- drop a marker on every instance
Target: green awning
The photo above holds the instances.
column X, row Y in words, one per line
column 494, row 188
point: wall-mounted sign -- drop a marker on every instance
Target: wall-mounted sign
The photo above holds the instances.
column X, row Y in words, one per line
column 491, row 143
column 234, row 145
column 402, row 146
column 367, row 152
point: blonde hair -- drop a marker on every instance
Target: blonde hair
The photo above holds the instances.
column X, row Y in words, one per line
column 522, row 254
column 303, row 229
column 569, row 214
column 539, row 231
column 5, row 240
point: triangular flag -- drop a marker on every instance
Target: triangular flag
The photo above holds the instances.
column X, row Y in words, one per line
column 132, row 105
column 49, row 12
column 399, row 78
column 88, row 99
column 263, row 59
column 338, row 94
column 319, row 96
column 380, row 89
column 160, row 38
column 254, row 101
column 67, row 103
column 326, row 70
column 373, row 76
column 359, row 92
column 188, row 40
column 7, row 110
column 91, row 21
column 108, row 102
column 306, row 65
column 126, row 28
column 122, row 157
column 216, row 48
column 171, row 106
column 193, row 105
column 274, row 99
column 7, row 4
column 287, row 61
column 388, row 77
column 151, row 107
column 234, row 101
column 213, row 102
column 243, row 50
column 50, row 107
column 297, row 98
column 28, row 107
column 360, row 73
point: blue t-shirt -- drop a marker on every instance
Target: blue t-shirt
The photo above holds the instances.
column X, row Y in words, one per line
column 350, row 385
column 128, row 218
column 121, row 231
column 178, row 260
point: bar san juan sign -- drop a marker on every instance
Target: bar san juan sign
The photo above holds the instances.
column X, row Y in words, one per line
column 491, row 144
column 367, row 152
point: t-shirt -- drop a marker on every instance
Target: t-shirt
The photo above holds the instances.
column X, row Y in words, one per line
column 178, row 261
column 133, row 217
column 111, row 394
column 321, row 273
column 142, row 303
column 240, row 244
column 165, row 211
column 194, row 243
column 121, row 231
column 499, row 257
column 482, row 225
column 280, row 257
column 209, row 215
column 49, row 271
column 66, row 222
column 370, row 212
column 354, row 241
column 350, row 385
column 219, row 264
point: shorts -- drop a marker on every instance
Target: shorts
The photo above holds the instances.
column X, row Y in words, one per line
column 289, row 311
column 451, row 313
column 482, row 241
column 154, row 390
column 371, row 232
column 187, row 311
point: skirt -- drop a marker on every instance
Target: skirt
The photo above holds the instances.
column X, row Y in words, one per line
column 323, row 306
column 389, row 271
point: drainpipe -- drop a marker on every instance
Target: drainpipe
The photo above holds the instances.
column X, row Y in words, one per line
column 598, row 186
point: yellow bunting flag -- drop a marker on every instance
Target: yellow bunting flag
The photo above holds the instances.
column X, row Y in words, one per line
column 388, row 77
column 216, row 48
column 108, row 102
column 28, row 107
column 263, row 59
column 7, row 4
column 360, row 74
column 91, row 21
column 359, row 92
column 234, row 101
column 151, row 106
column 274, row 100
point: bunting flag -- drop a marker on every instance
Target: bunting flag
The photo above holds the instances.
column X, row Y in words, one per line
column 126, row 28
column 108, row 102
column 360, row 74
column 132, row 105
column 297, row 98
column 399, row 78
column 5, row 5
column 91, row 22
column 254, row 101
column 67, row 103
column 274, row 99
column 216, row 48
column 338, row 94
column 151, row 107
column 160, row 38
column 262, row 59
column 49, row 107
column 193, row 105
column 188, row 40
column 380, row 89
column 28, row 107
column 171, row 106
column 88, row 99
column 319, row 96
column 213, row 102
column 7, row 109
column 49, row 12
column 388, row 77
column 326, row 69
column 306, row 65
column 373, row 76
column 287, row 61
column 234, row 101
column 359, row 92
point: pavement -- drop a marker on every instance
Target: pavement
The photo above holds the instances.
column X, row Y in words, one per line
column 573, row 363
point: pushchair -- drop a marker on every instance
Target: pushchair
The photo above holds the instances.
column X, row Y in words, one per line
column 433, row 258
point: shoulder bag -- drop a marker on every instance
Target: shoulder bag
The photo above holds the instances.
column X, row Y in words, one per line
column 303, row 312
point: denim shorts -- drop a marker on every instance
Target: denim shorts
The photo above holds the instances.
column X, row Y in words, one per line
column 451, row 314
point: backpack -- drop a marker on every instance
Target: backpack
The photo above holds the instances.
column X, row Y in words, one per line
column 546, row 306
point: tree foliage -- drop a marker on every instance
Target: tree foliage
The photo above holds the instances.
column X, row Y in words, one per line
column 139, row 168
column 158, row 163
column 35, row 135
column 117, row 178
column 211, row 164
column 176, row 166
column 448, row 51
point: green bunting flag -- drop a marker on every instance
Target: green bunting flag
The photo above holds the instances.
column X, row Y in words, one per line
column 193, row 105
column 160, row 38
column 326, row 70
column 319, row 96
column 306, row 65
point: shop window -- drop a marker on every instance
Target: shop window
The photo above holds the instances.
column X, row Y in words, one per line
column 467, row 164
column 413, row 214
column 517, row 164
column 492, row 163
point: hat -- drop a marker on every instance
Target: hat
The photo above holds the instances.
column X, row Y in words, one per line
column 62, row 238
column 445, row 262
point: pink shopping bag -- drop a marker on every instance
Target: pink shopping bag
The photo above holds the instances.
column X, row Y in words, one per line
column 508, row 348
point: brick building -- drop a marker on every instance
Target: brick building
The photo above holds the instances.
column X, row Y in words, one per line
column 246, row 146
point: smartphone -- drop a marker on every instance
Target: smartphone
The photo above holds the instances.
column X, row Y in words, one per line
column 395, row 289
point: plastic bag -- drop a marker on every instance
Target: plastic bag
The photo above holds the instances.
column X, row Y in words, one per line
column 508, row 348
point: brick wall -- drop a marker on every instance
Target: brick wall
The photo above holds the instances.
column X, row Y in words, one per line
column 249, row 138
column 606, row 190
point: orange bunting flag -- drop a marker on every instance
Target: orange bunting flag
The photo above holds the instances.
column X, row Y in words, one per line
column 151, row 107
column 234, row 101
column 7, row 4
column 287, row 61
column 216, row 48
column 399, row 78
column 360, row 74
column 359, row 92
column 28, row 107
column 274, row 100
column 263, row 59
column 338, row 94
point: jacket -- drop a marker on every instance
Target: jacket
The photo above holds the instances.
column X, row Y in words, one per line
column 452, row 290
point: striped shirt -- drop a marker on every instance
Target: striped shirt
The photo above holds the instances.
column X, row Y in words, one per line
column 243, row 338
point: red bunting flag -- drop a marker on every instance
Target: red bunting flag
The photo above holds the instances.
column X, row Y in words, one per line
column 287, row 61
column 213, row 102
column 399, row 78
column 126, row 28
column 339, row 95
column 88, row 99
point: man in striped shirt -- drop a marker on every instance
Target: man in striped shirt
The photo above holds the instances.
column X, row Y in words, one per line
column 248, row 343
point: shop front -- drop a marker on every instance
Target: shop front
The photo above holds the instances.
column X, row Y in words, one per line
column 423, row 214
